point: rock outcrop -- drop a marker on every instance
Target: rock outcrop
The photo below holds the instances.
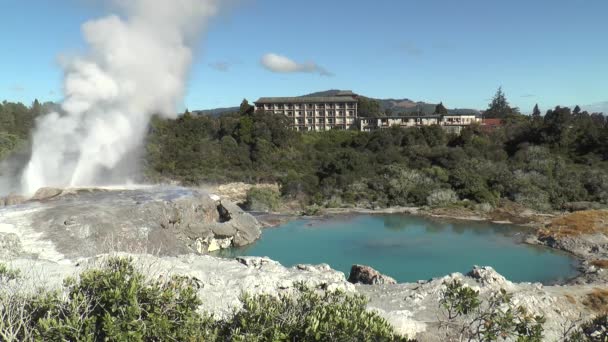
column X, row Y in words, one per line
column 77, row 223
column 361, row 274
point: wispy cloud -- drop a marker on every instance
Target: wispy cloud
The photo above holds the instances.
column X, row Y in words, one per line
column 411, row 49
column 281, row 64
column 17, row 88
column 528, row 95
column 221, row 66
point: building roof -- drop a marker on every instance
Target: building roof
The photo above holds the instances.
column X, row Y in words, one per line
column 312, row 99
column 346, row 93
column 492, row 122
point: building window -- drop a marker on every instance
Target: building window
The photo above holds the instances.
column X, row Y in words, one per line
column 330, row 106
column 341, row 106
column 310, row 121
column 351, row 106
column 321, row 106
column 331, row 121
column 321, row 120
column 351, row 113
column 341, row 113
column 289, row 113
column 321, row 113
column 311, row 113
column 289, row 106
column 280, row 106
column 300, row 121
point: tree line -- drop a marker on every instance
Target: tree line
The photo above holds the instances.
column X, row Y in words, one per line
column 542, row 162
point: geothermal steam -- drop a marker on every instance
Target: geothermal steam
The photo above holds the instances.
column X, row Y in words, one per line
column 136, row 67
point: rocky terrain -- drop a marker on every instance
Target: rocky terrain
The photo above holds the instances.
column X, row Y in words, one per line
column 74, row 223
column 59, row 233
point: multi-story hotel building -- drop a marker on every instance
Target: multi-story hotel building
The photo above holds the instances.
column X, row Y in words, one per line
column 315, row 113
column 322, row 113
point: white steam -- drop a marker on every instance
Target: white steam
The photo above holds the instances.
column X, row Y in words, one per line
column 137, row 66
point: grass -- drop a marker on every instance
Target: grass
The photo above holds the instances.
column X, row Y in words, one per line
column 570, row 299
column 600, row 263
column 597, row 300
column 579, row 223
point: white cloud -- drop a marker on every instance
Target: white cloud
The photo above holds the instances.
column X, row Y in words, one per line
column 282, row 64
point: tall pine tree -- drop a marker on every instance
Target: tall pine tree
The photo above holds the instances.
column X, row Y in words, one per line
column 440, row 109
column 499, row 107
column 536, row 111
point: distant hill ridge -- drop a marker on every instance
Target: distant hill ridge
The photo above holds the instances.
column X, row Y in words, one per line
column 389, row 106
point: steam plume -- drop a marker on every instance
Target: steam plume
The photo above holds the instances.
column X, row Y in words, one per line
column 136, row 67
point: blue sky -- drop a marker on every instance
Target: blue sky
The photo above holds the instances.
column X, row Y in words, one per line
column 543, row 51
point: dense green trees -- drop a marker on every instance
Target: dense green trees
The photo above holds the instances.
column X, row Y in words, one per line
column 543, row 163
column 369, row 107
column 16, row 124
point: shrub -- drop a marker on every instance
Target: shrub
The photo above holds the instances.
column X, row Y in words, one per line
column 7, row 274
column 595, row 330
column 308, row 316
column 597, row 300
column 262, row 199
column 442, row 198
column 118, row 303
column 312, row 210
column 488, row 320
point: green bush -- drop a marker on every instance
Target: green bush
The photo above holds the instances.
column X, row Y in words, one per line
column 595, row 330
column 312, row 210
column 262, row 199
column 308, row 316
column 118, row 303
column 8, row 274
column 496, row 318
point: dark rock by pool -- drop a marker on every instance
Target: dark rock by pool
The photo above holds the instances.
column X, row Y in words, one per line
column 410, row 248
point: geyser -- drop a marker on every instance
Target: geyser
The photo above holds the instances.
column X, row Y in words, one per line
column 136, row 67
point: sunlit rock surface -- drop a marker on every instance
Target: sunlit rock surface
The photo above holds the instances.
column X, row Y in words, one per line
column 74, row 223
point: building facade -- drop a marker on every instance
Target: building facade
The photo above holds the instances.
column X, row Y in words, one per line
column 451, row 123
column 323, row 113
column 315, row 113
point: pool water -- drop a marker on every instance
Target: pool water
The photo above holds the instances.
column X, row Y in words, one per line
column 410, row 248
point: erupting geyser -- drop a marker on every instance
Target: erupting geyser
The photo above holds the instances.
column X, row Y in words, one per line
column 136, row 67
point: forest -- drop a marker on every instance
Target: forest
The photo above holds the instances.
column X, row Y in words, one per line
column 542, row 162
column 545, row 162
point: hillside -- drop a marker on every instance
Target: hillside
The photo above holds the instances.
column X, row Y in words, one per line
column 402, row 106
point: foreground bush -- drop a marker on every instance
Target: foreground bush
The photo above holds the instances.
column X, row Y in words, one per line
column 308, row 316
column 595, row 330
column 471, row 319
column 118, row 303
column 115, row 303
